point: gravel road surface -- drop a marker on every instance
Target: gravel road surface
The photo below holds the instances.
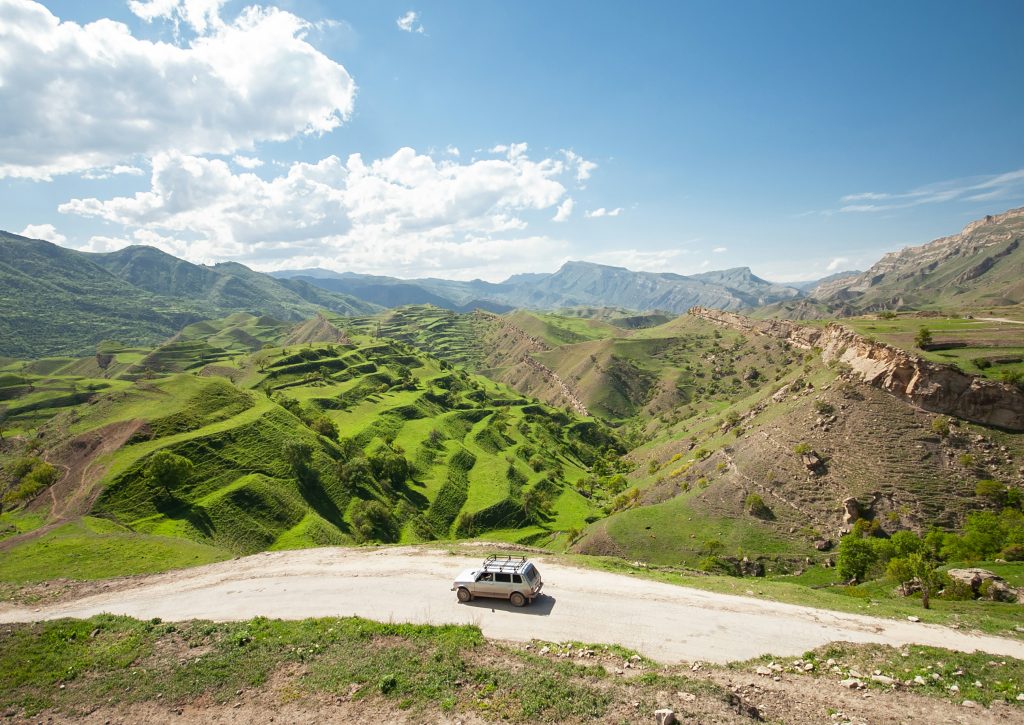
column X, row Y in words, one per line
column 666, row 622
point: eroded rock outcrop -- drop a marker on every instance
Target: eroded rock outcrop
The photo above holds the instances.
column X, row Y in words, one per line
column 935, row 388
column 568, row 393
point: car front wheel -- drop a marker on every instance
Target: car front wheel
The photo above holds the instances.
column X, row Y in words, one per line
column 517, row 599
column 463, row 594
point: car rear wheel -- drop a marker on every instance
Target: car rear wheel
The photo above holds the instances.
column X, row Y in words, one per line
column 517, row 599
column 463, row 594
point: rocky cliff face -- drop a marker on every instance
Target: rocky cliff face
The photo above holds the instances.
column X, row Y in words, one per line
column 935, row 388
column 934, row 267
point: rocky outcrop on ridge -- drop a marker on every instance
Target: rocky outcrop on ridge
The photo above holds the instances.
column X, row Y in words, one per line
column 932, row 387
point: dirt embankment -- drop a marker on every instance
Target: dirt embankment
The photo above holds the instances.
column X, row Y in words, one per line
column 935, row 388
column 75, row 492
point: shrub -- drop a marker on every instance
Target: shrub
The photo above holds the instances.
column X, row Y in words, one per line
column 982, row 363
column 373, row 520
column 325, row 427
column 940, row 426
column 756, row 506
column 1013, row 552
column 994, row 491
column 956, row 590
column 801, row 448
column 824, row 408
column 923, row 338
column 966, row 459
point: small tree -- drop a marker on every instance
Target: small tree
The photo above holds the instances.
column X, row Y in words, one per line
column 355, row 474
column 299, row 455
column 923, row 338
column 389, row 468
column 168, row 470
column 326, row 427
column 925, row 571
column 855, row 556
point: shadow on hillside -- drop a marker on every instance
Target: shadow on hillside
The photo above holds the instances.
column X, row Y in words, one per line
column 313, row 493
column 181, row 510
column 541, row 606
column 414, row 497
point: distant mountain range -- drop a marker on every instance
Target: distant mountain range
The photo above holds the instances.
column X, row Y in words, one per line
column 55, row 300
column 575, row 284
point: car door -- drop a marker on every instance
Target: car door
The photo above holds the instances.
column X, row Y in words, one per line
column 484, row 586
column 502, row 585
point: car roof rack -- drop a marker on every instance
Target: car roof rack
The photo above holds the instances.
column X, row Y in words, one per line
column 504, row 563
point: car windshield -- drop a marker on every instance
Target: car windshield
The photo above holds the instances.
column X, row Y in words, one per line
column 531, row 573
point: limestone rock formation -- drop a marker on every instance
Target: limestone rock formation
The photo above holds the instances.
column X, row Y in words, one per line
column 932, row 387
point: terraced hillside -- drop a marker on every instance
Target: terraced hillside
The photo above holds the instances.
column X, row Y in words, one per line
column 630, row 371
column 334, row 442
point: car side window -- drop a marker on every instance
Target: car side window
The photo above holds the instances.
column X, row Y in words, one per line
column 485, row 577
column 504, row 578
column 516, row 579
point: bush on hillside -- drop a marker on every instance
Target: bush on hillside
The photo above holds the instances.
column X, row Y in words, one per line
column 993, row 491
column 325, row 427
column 372, row 520
column 756, row 506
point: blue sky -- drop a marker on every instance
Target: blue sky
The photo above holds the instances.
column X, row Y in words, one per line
column 796, row 138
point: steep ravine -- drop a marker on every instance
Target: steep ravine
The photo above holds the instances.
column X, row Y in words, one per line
column 932, row 387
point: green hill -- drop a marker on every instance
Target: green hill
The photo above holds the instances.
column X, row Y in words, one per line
column 312, row 444
column 61, row 301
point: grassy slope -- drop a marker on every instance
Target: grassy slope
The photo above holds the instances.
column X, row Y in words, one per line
column 97, row 549
column 244, row 497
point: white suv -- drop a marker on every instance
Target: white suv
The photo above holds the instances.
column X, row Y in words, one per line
column 503, row 577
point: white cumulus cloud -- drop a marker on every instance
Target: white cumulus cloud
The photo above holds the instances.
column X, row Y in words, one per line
column 720, row 250
column 564, row 210
column 410, row 22
column 405, row 212
column 47, row 232
column 94, row 95
column 247, row 162
column 602, row 212
column 836, row 263
column 198, row 14
column 584, row 168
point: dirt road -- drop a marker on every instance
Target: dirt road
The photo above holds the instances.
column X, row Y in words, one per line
column 666, row 622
